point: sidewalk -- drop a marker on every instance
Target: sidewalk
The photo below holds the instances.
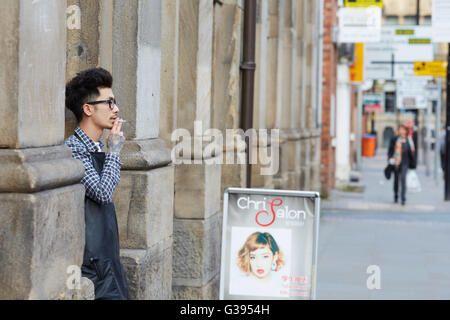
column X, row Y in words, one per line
column 410, row 245
column 378, row 192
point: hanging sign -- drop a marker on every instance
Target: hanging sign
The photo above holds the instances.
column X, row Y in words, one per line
column 363, row 3
column 431, row 68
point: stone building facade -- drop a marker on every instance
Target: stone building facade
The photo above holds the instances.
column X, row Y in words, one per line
column 174, row 63
column 404, row 13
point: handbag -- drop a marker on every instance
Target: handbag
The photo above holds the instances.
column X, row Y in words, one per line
column 388, row 171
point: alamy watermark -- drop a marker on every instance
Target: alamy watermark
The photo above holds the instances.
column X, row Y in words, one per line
column 73, row 20
column 73, row 281
column 374, row 280
column 207, row 147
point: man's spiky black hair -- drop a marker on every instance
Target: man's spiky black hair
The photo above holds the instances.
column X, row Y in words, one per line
column 84, row 87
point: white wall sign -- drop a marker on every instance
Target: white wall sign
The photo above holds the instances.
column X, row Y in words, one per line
column 433, row 92
column 412, row 93
column 393, row 57
column 441, row 21
column 359, row 25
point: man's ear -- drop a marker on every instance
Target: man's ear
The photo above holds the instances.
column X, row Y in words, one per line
column 88, row 110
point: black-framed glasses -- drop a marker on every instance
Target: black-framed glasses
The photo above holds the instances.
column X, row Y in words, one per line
column 111, row 102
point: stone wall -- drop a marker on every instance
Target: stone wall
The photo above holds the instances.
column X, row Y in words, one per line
column 41, row 202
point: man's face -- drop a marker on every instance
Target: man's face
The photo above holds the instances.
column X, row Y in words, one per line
column 102, row 115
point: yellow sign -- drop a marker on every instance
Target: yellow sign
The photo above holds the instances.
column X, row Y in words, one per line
column 357, row 69
column 431, row 68
column 419, row 41
column 363, row 3
column 408, row 32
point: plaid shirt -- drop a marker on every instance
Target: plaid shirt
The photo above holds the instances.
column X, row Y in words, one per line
column 99, row 188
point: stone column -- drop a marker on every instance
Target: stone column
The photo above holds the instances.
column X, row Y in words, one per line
column 82, row 47
column 41, row 200
column 272, row 66
column 291, row 134
column 261, row 88
column 343, row 126
column 316, row 77
column 197, row 223
column 306, row 97
column 274, row 83
column 144, row 196
column 169, row 69
column 228, row 25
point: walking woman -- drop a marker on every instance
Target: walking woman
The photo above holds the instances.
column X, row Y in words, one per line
column 401, row 154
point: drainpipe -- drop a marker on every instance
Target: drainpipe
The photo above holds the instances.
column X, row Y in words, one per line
column 248, row 67
column 320, row 20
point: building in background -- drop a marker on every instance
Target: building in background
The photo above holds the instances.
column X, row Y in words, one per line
column 403, row 13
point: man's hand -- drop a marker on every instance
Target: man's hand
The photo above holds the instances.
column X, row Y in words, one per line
column 115, row 138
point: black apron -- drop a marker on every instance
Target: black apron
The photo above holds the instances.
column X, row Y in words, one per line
column 101, row 261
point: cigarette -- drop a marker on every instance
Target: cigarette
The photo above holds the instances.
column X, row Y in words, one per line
column 122, row 121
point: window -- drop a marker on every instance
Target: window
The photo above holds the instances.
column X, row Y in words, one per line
column 410, row 21
column 390, row 101
column 427, row 20
column 391, row 20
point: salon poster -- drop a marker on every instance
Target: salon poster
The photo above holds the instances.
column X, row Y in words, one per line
column 269, row 244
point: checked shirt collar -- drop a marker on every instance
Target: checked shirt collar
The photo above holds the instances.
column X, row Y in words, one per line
column 88, row 141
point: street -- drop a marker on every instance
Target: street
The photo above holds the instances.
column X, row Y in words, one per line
column 409, row 244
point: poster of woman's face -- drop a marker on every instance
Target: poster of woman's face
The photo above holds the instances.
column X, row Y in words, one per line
column 259, row 259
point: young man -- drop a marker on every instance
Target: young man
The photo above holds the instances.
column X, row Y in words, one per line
column 90, row 98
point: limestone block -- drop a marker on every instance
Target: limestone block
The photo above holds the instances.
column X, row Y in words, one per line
column 196, row 250
column 137, row 65
column 315, row 177
column 41, row 235
column 284, row 160
column 305, row 151
column 195, row 63
column 144, row 206
column 197, row 190
column 149, row 271
column 169, row 63
column 145, row 154
column 262, row 25
column 210, row 291
column 85, row 292
column 32, row 76
column 83, row 43
column 233, row 175
column 293, row 181
column 226, row 63
column 305, row 178
column 38, row 169
column 271, row 85
column 258, row 179
column 293, row 153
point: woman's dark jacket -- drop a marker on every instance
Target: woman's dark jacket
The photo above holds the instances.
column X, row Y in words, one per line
column 408, row 157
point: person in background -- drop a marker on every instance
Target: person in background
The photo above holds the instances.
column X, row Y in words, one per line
column 401, row 154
